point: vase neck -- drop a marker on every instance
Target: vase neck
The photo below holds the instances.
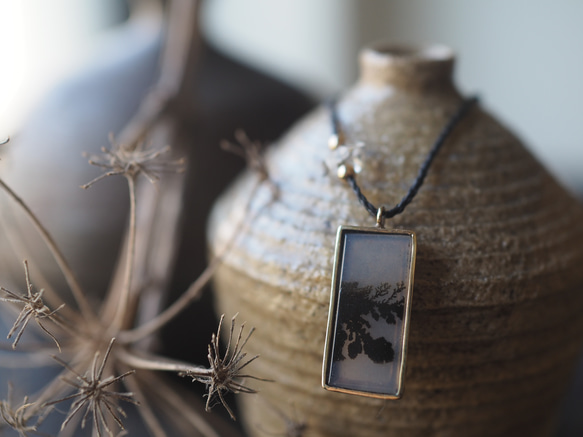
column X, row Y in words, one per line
column 407, row 68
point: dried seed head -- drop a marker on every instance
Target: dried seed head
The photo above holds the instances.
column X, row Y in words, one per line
column 18, row 418
column 33, row 308
column 94, row 395
column 226, row 371
column 252, row 152
column 130, row 162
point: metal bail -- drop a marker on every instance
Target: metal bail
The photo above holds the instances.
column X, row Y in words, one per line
column 381, row 217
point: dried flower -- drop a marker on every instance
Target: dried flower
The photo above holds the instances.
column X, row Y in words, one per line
column 251, row 151
column 94, row 395
column 90, row 383
column 226, row 371
column 34, row 307
column 130, row 162
column 17, row 419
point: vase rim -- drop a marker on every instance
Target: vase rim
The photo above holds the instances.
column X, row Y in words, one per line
column 406, row 65
column 409, row 52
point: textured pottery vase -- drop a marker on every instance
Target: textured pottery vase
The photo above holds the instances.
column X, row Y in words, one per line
column 498, row 291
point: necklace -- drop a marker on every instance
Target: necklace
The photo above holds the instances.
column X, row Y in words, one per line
column 372, row 288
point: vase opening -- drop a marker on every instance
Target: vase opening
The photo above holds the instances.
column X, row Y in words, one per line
column 406, row 66
column 428, row 53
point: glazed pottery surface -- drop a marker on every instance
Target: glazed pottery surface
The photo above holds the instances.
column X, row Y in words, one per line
column 498, row 289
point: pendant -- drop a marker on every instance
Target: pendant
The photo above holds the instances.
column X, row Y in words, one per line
column 368, row 320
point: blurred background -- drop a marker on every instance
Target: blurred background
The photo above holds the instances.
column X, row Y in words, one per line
column 523, row 58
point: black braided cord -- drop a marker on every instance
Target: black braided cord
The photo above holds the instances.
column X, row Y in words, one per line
column 423, row 170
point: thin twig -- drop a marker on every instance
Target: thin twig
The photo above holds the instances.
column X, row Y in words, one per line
column 118, row 319
column 195, row 289
column 55, row 388
column 172, row 401
column 145, row 410
column 72, row 281
column 193, row 293
column 153, row 362
column 182, row 35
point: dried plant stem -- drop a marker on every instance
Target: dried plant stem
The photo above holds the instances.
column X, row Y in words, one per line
column 173, row 310
column 175, row 403
column 152, row 362
column 56, row 387
column 17, row 246
column 181, row 38
column 79, row 330
column 150, row 111
column 121, row 310
column 195, row 289
column 176, row 416
column 72, row 428
column 145, row 410
column 182, row 35
column 72, row 281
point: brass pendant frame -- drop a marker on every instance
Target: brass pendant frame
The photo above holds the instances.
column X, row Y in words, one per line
column 331, row 331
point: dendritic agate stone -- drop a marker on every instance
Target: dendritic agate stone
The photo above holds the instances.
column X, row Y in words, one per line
column 369, row 312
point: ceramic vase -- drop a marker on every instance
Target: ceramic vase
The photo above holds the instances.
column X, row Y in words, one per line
column 498, row 288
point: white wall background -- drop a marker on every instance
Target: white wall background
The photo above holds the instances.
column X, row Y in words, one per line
column 525, row 58
column 40, row 42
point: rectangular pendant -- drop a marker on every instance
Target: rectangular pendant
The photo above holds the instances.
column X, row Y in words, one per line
column 368, row 320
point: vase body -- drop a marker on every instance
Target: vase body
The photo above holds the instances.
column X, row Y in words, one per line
column 498, row 289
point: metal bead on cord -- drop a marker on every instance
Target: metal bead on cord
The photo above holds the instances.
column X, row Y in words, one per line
column 347, row 173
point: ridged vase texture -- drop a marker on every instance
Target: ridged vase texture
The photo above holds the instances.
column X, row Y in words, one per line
column 496, row 321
